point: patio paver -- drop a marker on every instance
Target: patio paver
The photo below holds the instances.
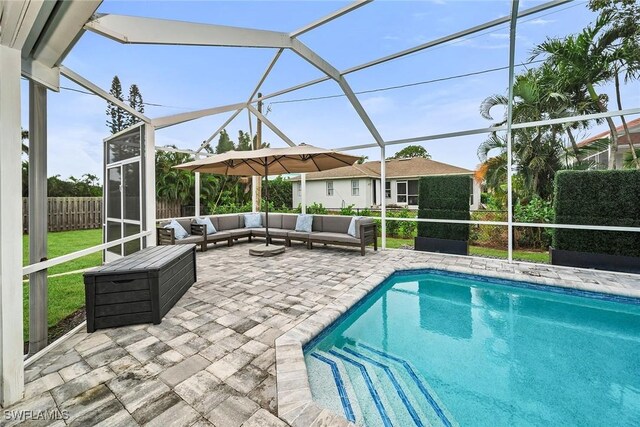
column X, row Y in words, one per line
column 212, row 361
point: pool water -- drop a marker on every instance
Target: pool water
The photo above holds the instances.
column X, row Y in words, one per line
column 436, row 348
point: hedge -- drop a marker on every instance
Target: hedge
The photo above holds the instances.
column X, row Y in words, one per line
column 444, row 197
column 598, row 198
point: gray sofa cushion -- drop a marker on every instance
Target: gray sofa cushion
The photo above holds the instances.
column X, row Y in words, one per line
column 335, row 224
column 297, row 235
column 190, row 239
column 220, row 235
column 328, row 237
column 289, row 222
column 317, row 223
column 275, row 220
column 361, row 221
column 273, row 232
column 240, row 232
column 228, row 222
column 214, row 221
column 186, row 224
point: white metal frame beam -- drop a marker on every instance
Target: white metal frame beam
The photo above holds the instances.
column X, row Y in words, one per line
column 139, row 30
column 220, row 129
column 166, row 121
column 330, row 17
column 271, row 126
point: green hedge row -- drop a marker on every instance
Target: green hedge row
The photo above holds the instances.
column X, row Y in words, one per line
column 444, row 197
column 598, row 198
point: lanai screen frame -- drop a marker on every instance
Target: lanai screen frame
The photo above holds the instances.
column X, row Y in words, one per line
column 280, row 41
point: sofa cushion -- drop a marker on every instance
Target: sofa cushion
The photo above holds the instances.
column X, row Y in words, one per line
column 289, row 222
column 273, row 232
column 298, row 235
column 304, row 223
column 190, row 239
column 275, row 220
column 228, row 222
column 253, row 220
column 328, row 237
column 362, row 220
column 220, row 235
column 317, row 223
column 240, row 232
column 335, row 224
column 178, row 229
column 211, row 229
column 214, row 221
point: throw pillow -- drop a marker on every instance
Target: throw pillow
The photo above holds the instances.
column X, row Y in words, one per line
column 178, row 230
column 304, row 223
column 352, row 231
column 207, row 221
column 252, row 220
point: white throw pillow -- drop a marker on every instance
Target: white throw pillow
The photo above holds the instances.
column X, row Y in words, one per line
column 304, row 223
column 207, row 221
column 253, row 220
column 178, row 230
column 352, row 231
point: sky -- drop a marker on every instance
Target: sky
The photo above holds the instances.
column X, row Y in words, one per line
column 185, row 78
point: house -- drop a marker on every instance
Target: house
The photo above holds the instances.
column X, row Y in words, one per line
column 601, row 158
column 359, row 185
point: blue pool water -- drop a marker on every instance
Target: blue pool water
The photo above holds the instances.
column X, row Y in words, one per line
column 436, row 348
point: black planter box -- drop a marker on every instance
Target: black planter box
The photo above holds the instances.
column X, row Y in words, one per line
column 626, row 264
column 139, row 288
column 447, row 246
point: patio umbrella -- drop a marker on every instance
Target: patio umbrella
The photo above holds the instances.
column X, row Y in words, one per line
column 275, row 161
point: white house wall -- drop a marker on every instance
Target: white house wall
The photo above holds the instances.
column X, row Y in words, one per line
column 317, row 192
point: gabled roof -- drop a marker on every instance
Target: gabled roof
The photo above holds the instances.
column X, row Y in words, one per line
column 396, row 168
column 634, row 130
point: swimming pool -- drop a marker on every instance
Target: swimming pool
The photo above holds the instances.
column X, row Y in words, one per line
column 437, row 348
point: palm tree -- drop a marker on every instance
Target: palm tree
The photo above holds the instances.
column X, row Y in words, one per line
column 579, row 63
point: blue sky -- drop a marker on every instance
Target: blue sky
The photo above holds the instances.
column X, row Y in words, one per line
column 185, row 78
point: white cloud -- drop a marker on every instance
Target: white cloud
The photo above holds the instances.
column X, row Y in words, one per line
column 540, row 21
column 378, row 104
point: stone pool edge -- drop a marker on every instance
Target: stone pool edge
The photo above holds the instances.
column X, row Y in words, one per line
column 294, row 399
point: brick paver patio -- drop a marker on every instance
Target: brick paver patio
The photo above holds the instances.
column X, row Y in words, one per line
column 212, row 360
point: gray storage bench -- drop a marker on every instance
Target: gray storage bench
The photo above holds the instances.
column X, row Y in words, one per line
column 139, row 288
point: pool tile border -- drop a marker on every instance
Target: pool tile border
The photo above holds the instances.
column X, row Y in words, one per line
column 297, row 407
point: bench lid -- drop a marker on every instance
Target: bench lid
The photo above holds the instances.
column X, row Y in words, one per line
column 148, row 259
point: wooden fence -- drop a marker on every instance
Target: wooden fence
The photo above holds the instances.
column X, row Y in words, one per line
column 82, row 213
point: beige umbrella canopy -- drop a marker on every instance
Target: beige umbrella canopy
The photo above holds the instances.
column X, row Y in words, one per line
column 271, row 161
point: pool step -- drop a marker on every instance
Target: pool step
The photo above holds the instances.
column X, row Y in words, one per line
column 376, row 388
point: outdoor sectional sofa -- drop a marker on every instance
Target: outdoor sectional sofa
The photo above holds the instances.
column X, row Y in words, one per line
column 326, row 229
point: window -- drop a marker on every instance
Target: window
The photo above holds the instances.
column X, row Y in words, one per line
column 355, row 187
column 329, row 188
column 401, row 187
column 387, row 190
column 413, row 193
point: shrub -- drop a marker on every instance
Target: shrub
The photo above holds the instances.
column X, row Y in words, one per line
column 536, row 210
column 494, row 236
column 598, row 198
column 444, row 197
column 316, row 209
column 348, row 210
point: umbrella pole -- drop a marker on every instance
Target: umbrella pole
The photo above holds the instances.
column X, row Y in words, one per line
column 266, row 197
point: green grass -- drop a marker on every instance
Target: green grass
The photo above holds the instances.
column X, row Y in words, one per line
column 65, row 293
column 65, row 242
column 529, row 256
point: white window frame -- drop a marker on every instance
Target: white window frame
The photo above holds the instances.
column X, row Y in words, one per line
column 405, row 194
column 330, row 190
column 355, row 187
column 387, row 191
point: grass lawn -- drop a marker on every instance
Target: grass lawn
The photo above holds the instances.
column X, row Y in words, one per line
column 66, row 293
column 529, row 256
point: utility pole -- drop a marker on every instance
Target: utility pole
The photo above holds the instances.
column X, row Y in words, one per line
column 257, row 144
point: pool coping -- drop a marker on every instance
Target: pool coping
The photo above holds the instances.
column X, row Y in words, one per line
column 295, row 402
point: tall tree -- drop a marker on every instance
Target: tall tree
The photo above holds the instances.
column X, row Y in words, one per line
column 224, row 143
column 116, row 117
column 135, row 102
column 244, row 141
column 412, row 151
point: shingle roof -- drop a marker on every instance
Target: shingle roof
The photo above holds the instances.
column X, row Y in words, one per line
column 400, row 168
column 620, row 130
